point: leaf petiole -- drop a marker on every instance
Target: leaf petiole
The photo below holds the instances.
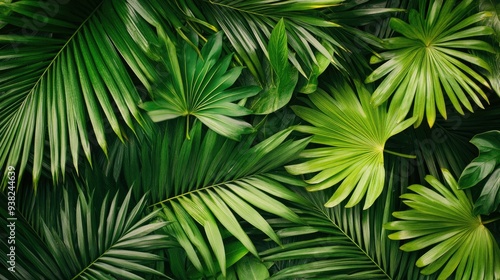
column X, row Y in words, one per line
column 399, row 154
column 491, row 220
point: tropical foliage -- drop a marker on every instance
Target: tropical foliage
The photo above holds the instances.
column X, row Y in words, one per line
column 252, row 139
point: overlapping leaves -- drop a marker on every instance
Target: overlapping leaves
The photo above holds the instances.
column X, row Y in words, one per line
column 341, row 243
column 89, row 238
column 428, row 62
column 209, row 186
column 199, row 87
column 249, row 24
column 442, row 218
column 63, row 80
column 352, row 134
column 278, row 92
column 487, row 164
column 219, row 206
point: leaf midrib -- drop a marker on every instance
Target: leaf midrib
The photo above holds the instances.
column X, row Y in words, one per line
column 356, row 244
column 69, row 40
column 205, row 188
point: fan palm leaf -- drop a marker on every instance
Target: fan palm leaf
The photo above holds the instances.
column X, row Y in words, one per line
column 64, row 73
column 428, row 61
column 199, row 87
column 442, row 218
column 353, row 134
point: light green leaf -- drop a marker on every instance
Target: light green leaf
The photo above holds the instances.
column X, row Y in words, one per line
column 459, row 241
column 353, row 136
column 428, row 60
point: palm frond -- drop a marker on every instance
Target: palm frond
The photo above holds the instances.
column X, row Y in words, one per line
column 341, row 243
column 199, row 87
column 208, row 185
column 443, row 218
column 248, row 26
column 114, row 242
column 64, row 75
column 353, row 134
column 428, row 62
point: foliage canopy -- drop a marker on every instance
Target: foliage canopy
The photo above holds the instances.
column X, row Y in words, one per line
column 231, row 139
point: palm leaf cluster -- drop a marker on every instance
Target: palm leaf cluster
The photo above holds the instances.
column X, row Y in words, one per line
column 221, row 139
column 198, row 87
column 82, row 243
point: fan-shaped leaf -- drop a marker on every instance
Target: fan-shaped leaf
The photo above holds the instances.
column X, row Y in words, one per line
column 354, row 134
column 443, row 218
column 199, row 86
column 426, row 61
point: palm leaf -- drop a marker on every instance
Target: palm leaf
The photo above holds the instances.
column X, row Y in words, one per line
column 208, row 185
column 428, row 61
column 353, row 134
column 90, row 238
column 443, row 218
column 248, row 27
column 63, row 76
column 341, row 243
column 492, row 58
column 199, row 87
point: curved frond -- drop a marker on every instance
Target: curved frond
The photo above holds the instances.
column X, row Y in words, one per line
column 341, row 243
column 63, row 78
column 208, row 185
column 90, row 238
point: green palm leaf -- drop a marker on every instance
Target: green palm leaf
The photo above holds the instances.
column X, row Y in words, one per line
column 199, row 87
column 63, row 77
column 444, row 219
column 341, row 243
column 353, row 134
column 248, row 26
column 89, row 238
column 428, row 62
column 208, row 185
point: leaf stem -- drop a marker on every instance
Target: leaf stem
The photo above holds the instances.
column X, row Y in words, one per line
column 491, row 220
column 187, row 128
column 399, row 154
